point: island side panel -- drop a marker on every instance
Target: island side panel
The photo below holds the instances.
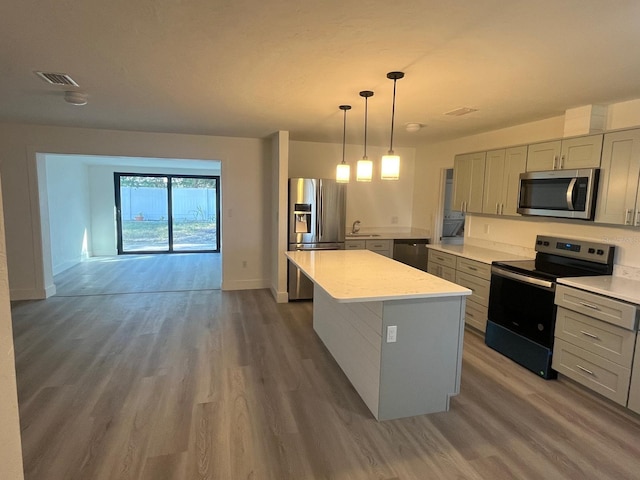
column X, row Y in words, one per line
column 421, row 370
column 352, row 334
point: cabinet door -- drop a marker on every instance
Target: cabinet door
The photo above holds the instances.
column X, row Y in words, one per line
column 581, row 152
column 543, row 156
column 515, row 163
column 619, row 175
column 493, row 181
column 478, row 161
column 461, row 181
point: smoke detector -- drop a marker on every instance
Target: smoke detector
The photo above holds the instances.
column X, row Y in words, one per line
column 75, row 98
column 414, row 127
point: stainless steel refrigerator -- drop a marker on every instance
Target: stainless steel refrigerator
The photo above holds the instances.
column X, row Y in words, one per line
column 317, row 215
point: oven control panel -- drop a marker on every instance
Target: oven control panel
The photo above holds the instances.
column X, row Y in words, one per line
column 582, row 249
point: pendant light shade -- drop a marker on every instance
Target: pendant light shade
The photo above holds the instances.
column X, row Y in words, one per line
column 343, row 170
column 391, row 162
column 364, row 171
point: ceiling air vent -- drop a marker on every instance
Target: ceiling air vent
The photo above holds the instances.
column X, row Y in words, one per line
column 461, row 111
column 57, row 79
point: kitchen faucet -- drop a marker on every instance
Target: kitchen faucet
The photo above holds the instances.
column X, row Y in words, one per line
column 355, row 228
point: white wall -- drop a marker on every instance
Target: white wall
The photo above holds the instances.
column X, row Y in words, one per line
column 68, row 203
column 374, row 204
column 102, row 186
column 245, row 194
column 10, row 446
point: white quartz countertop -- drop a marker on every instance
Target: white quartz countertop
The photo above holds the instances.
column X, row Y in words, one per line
column 413, row 234
column 361, row 275
column 479, row 254
column 619, row 288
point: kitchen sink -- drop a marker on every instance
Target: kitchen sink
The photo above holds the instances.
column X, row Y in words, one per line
column 360, row 235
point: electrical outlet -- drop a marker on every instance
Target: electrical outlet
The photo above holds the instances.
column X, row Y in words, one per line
column 392, row 333
column 394, row 219
column 244, row 264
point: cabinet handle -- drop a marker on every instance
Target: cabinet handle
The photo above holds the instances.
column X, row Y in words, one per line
column 497, row 208
column 470, row 314
column 555, row 162
column 502, row 209
column 472, row 268
column 561, row 161
column 590, row 335
column 586, row 370
column 627, row 219
column 637, row 218
column 590, row 305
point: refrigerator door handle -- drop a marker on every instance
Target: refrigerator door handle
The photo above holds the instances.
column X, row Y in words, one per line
column 320, row 209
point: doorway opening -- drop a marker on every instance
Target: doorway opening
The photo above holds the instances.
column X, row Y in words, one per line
column 452, row 221
column 158, row 213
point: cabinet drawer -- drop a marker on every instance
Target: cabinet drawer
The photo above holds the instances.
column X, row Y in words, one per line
column 476, row 315
column 472, row 267
column 603, row 308
column 378, row 245
column 445, row 259
column 479, row 287
column 441, row 271
column 354, row 245
column 609, row 341
column 600, row 375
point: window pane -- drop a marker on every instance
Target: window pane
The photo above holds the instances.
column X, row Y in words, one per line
column 194, row 210
column 144, row 213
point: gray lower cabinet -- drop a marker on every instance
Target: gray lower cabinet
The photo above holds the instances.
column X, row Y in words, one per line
column 634, row 389
column 595, row 339
column 383, row 247
column 471, row 274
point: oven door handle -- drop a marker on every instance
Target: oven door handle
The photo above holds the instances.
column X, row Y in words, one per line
column 536, row 282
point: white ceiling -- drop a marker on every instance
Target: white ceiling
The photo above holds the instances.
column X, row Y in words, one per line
column 251, row 67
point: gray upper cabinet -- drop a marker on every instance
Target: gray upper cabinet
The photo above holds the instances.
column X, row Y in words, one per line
column 543, row 156
column 618, row 201
column 571, row 153
column 501, row 180
column 468, row 182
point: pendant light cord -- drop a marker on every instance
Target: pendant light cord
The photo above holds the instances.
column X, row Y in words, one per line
column 344, row 133
column 393, row 114
column 366, row 114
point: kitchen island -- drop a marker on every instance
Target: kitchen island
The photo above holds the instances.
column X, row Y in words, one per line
column 395, row 331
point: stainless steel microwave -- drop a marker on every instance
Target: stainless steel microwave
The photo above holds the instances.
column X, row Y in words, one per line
column 559, row 193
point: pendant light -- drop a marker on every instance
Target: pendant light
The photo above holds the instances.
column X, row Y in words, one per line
column 364, row 170
column 343, row 170
column 390, row 161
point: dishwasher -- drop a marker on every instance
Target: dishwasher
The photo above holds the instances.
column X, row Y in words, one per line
column 412, row 252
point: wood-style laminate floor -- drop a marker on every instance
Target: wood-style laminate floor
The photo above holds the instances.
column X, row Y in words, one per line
column 141, row 273
column 231, row 385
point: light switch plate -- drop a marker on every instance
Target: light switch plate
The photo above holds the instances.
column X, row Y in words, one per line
column 392, row 333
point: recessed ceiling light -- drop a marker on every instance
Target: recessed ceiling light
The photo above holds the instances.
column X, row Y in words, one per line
column 57, row 79
column 461, row 111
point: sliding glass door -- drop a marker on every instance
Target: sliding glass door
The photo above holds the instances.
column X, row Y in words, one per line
column 167, row 213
